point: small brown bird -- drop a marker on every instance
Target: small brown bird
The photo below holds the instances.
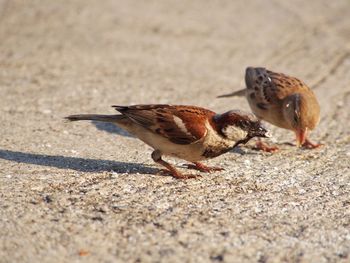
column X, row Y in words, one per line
column 283, row 101
column 186, row 132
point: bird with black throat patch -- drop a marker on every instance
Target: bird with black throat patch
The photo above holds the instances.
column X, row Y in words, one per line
column 283, row 101
column 190, row 133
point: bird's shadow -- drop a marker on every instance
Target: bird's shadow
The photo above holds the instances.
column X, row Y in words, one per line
column 76, row 163
column 111, row 128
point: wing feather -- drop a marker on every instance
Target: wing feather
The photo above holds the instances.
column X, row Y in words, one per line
column 180, row 124
column 267, row 87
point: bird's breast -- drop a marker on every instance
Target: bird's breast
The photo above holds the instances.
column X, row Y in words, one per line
column 214, row 144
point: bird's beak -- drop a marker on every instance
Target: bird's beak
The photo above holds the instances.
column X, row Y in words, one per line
column 301, row 137
column 263, row 132
column 268, row 134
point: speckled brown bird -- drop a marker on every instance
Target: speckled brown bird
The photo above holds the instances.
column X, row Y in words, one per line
column 281, row 100
column 186, row 132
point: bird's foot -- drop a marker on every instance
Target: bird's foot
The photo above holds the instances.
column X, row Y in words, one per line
column 309, row 145
column 261, row 146
column 203, row 168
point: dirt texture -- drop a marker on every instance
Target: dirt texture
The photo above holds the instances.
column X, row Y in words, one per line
column 89, row 192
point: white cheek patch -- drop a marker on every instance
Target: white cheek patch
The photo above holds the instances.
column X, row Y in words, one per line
column 235, row 133
column 179, row 123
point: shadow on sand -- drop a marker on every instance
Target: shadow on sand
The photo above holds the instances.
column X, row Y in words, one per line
column 111, row 128
column 75, row 163
column 84, row 164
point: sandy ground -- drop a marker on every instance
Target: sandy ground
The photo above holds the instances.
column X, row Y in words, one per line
column 74, row 192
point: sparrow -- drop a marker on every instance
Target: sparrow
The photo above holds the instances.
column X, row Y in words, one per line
column 283, row 101
column 186, row 132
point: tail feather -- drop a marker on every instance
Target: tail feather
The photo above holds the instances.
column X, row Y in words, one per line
column 120, row 108
column 95, row 117
column 239, row 93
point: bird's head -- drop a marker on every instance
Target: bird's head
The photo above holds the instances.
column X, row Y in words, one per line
column 302, row 114
column 240, row 126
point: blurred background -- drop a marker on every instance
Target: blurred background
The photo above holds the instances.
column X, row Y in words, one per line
column 100, row 53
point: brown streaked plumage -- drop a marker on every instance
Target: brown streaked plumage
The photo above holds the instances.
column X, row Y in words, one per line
column 281, row 100
column 186, row 132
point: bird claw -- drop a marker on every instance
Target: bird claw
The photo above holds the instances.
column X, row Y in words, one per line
column 309, row 145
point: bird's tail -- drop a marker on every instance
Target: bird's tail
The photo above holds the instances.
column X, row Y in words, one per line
column 95, row 117
column 239, row 93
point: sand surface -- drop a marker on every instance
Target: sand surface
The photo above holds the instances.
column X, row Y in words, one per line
column 88, row 192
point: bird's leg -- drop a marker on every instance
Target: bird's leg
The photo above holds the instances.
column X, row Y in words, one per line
column 157, row 157
column 203, row 168
column 309, row 145
column 262, row 146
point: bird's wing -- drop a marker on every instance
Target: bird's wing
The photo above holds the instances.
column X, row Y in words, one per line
column 284, row 85
column 267, row 87
column 180, row 124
